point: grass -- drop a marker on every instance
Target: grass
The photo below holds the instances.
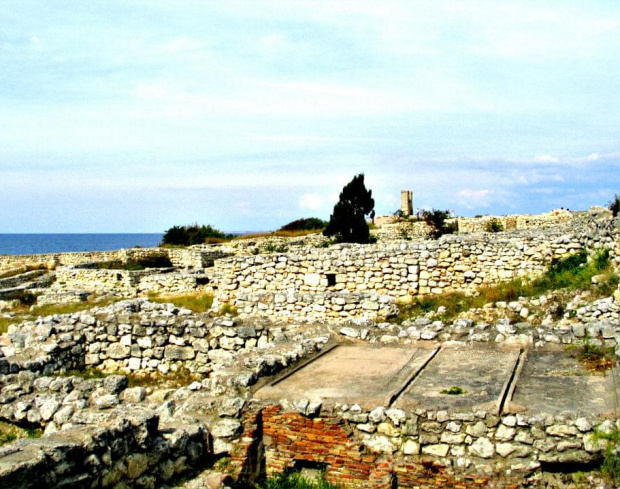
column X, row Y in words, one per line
column 228, row 309
column 279, row 234
column 24, row 313
column 197, row 302
column 453, row 391
column 610, row 466
column 294, row 480
column 10, row 432
column 572, row 273
column 596, row 358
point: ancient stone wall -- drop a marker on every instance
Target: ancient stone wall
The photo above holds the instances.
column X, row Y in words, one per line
column 180, row 257
column 388, row 447
column 127, row 449
column 127, row 283
column 399, row 270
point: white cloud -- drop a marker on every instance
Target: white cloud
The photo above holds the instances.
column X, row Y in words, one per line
column 474, row 198
column 546, row 159
column 311, row 201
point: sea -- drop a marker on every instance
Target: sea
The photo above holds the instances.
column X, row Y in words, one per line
column 28, row 244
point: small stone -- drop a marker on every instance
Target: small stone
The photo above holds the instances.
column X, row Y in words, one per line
column 411, row 447
column 482, row 447
column 505, row 449
column 439, row 450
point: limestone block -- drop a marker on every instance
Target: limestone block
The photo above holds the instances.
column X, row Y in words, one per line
column 173, row 352
column 482, row 447
column 439, row 450
column 118, row 351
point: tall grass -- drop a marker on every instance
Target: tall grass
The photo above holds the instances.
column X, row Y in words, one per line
column 280, row 234
column 197, row 302
column 572, row 273
column 294, row 480
column 23, row 312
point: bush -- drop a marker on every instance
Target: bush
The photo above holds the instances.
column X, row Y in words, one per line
column 192, row 235
column 436, row 220
column 614, row 205
column 494, row 226
column 348, row 222
column 306, row 224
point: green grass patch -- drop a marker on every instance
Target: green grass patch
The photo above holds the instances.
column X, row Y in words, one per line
column 194, row 302
column 294, row 480
column 24, row 312
column 572, row 273
column 453, row 391
column 10, row 432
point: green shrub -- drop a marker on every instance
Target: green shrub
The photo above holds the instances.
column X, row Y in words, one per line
column 436, row 220
column 306, row 224
column 192, row 234
column 294, row 480
column 494, row 226
column 453, row 391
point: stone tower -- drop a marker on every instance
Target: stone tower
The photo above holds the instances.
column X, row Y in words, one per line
column 406, row 202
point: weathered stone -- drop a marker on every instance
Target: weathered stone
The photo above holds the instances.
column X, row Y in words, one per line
column 173, row 352
column 482, row 447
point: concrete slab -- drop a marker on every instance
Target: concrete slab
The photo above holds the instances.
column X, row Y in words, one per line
column 553, row 382
column 483, row 372
column 364, row 375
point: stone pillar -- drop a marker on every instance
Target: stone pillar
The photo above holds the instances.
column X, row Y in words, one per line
column 406, row 202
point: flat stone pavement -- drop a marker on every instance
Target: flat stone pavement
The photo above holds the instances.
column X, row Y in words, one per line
column 488, row 377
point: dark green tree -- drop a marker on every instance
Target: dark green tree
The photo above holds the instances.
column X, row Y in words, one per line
column 348, row 222
column 436, row 220
column 614, row 205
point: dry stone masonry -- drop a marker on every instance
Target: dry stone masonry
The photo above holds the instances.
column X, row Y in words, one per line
column 148, row 395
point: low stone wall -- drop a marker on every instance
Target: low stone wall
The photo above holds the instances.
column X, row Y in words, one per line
column 315, row 307
column 180, row 257
column 127, row 283
column 398, row 270
column 388, row 447
column 124, row 448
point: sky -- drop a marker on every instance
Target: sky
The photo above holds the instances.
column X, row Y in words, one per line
column 136, row 115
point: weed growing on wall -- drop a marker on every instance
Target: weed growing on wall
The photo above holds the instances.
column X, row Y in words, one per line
column 193, row 302
column 574, row 272
column 294, row 480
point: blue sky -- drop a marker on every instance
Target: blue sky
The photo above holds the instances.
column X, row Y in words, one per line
column 134, row 116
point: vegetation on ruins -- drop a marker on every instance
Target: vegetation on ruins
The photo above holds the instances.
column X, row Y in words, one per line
column 193, row 234
column 197, row 302
column 455, row 390
column 24, row 312
column 305, row 224
column 494, row 225
column 572, row 273
column 152, row 260
column 614, row 205
column 348, row 220
column 295, row 480
column 10, row 432
column 436, row 220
